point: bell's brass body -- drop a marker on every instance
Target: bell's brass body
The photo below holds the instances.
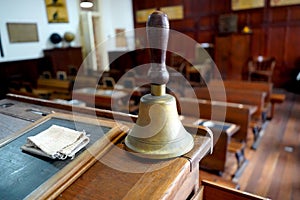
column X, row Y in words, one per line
column 158, row 132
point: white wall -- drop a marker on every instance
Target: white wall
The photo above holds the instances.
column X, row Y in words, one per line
column 34, row 11
column 116, row 14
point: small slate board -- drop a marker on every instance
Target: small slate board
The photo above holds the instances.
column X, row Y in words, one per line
column 22, row 173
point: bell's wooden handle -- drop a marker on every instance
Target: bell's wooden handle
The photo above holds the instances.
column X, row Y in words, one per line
column 158, row 36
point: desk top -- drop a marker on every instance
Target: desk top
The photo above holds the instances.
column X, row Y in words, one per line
column 138, row 178
column 100, row 92
column 144, row 179
column 252, row 108
column 229, row 128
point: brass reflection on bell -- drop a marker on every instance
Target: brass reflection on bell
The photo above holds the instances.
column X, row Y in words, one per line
column 158, row 132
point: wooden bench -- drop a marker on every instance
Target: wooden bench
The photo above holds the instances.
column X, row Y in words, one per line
column 246, row 85
column 204, row 175
column 247, row 97
column 239, row 114
column 60, row 89
column 220, row 111
column 249, row 85
column 214, row 191
column 258, row 119
column 266, row 109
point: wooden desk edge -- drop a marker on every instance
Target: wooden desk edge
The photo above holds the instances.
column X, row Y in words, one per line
column 85, row 110
column 200, row 149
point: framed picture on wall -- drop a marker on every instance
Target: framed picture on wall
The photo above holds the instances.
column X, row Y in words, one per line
column 22, row 32
column 57, row 11
column 284, row 2
column 173, row 12
column 246, row 4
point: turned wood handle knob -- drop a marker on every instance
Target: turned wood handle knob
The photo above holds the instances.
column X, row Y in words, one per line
column 158, row 36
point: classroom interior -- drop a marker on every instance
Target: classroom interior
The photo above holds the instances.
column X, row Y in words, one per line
column 221, row 78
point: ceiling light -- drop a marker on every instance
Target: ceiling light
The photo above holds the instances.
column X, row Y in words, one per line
column 86, row 4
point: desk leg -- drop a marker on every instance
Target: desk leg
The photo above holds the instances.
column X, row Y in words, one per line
column 272, row 110
column 241, row 163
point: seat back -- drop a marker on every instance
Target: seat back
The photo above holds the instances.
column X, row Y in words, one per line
column 108, row 82
column 244, row 85
column 218, row 111
column 261, row 68
column 214, row 191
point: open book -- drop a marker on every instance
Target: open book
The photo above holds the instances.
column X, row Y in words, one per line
column 56, row 142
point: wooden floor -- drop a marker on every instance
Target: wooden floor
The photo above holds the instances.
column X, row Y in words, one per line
column 274, row 168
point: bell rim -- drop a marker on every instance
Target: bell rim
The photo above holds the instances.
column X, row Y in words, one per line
column 158, row 154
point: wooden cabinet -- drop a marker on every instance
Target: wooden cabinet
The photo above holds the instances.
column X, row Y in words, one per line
column 64, row 59
column 231, row 55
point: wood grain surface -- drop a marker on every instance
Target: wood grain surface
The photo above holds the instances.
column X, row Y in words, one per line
column 157, row 179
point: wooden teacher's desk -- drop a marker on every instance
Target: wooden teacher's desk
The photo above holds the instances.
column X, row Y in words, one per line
column 118, row 175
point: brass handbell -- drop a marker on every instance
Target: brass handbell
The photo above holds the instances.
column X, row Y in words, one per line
column 158, row 132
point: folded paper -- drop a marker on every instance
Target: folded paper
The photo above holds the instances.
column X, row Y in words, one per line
column 56, row 142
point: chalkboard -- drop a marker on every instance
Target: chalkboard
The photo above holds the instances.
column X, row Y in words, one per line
column 21, row 173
